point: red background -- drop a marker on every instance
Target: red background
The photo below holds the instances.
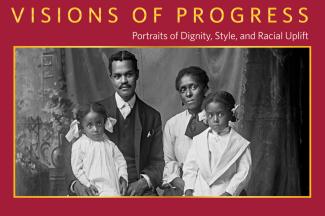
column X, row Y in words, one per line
column 84, row 34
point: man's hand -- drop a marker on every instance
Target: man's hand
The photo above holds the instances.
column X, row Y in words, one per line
column 82, row 190
column 189, row 192
column 137, row 188
column 179, row 183
column 123, row 186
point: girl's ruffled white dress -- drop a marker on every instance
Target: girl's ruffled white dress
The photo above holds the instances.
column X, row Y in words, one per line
column 99, row 163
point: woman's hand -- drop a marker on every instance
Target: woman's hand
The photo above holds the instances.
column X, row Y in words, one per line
column 179, row 183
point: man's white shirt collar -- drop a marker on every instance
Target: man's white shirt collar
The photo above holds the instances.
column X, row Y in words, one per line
column 120, row 102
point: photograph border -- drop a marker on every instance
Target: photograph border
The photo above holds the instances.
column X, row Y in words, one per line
column 14, row 47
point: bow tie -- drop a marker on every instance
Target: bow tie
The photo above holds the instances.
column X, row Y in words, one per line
column 195, row 127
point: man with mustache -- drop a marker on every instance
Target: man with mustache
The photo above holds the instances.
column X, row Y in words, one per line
column 137, row 131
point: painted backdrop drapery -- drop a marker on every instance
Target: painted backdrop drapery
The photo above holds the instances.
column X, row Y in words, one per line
column 87, row 73
column 257, row 78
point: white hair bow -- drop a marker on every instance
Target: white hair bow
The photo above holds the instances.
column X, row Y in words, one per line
column 233, row 110
column 110, row 122
column 203, row 116
column 74, row 131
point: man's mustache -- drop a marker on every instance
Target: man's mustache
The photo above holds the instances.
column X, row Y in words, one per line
column 124, row 86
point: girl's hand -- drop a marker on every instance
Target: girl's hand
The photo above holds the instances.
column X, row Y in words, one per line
column 93, row 190
column 81, row 190
column 189, row 192
column 123, row 186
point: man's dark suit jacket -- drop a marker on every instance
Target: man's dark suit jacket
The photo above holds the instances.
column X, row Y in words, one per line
column 148, row 145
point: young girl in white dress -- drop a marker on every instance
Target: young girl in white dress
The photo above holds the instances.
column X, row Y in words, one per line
column 219, row 160
column 95, row 160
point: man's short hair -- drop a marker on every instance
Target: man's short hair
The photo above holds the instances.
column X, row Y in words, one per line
column 123, row 56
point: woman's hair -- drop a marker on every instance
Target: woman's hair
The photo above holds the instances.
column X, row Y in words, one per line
column 83, row 110
column 197, row 73
column 222, row 97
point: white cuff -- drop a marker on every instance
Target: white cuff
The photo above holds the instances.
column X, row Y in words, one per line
column 170, row 178
column 71, row 186
column 146, row 177
column 126, row 179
